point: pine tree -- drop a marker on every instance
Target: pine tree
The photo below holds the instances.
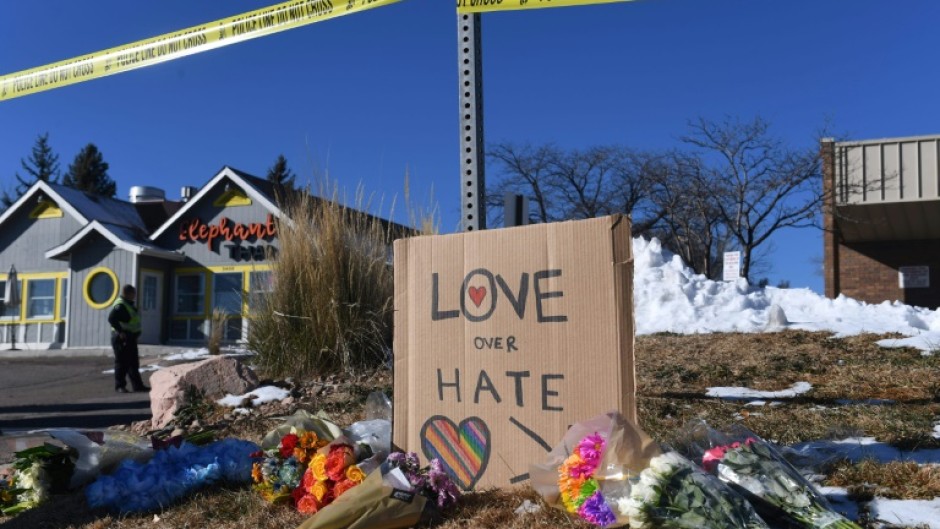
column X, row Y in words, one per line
column 89, row 173
column 42, row 164
column 281, row 174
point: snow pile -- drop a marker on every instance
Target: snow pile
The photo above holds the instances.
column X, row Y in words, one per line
column 259, row 396
column 669, row 297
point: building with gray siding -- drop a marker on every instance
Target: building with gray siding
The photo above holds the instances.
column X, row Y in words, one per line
column 72, row 251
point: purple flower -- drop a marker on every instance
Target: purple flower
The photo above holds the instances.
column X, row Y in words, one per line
column 596, row 511
column 590, row 449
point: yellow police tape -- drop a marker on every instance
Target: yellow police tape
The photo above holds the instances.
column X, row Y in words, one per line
column 485, row 6
column 204, row 37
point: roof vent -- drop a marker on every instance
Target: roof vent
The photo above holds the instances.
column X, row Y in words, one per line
column 147, row 194
column 187, row 192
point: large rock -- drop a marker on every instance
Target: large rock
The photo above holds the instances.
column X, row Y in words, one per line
column 215, row 377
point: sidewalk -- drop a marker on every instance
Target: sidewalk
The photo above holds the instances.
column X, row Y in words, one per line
column 148, row 351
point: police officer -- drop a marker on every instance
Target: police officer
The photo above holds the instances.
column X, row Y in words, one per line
column 125, row 328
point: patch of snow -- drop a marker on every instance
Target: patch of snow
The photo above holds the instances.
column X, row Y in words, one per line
column 908, row 513
column 857, row 449
column 736, row 393
column 669, row 297
column 193, row 354
column 839, row 499
column 203, row 353
column 258, row 396
column 927, row 342
column 143, row 369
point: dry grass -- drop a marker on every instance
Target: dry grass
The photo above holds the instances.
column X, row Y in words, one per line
column 331, row 308
column 898, row 479
column 673, row 372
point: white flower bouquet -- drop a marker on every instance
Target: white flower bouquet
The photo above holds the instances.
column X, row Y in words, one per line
column 758, row 472
column 674, row 493
column 610, row 473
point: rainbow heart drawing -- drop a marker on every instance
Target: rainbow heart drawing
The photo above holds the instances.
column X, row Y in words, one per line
column 464, row 450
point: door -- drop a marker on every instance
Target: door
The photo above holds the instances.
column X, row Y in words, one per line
column 150, row 305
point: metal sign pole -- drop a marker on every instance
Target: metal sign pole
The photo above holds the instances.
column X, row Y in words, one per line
column 472, row 181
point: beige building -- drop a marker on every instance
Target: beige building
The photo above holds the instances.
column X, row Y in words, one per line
column 882, row 219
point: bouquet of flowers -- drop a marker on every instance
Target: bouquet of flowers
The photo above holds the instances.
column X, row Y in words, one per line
column 431, row 481
column 399, row 494
column 609, row 472
column 673, row 492
column 171, row 474
column 38, row 472
column 580, row 492
column 756, row 470
column 306, row 471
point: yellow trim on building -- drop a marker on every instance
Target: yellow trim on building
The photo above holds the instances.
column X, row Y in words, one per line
column 210, row 271
column 232, row 198
column 46, row 210
column 87, row 284
column 25, row 278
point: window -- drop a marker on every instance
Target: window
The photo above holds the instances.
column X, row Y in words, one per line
column 261, row 284
column 40, row 302
column 11, row 312
column 227, row 292
column 148, row 294
column 190, row 294
column 101, row 288
column 63, row 298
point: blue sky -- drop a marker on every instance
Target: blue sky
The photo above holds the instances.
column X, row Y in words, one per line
column 370, row 97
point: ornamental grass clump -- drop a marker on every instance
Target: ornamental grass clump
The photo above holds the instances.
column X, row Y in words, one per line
column 329, row 309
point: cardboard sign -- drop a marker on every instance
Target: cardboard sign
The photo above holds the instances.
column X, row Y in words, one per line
column 504, row 338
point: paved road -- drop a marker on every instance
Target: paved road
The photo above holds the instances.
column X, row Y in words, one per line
column 65, row 392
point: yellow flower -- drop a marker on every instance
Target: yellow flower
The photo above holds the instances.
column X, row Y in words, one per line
column 256, row 473
column 309, row 440
column 318, row 466
column 354, row 473
column 319, row 490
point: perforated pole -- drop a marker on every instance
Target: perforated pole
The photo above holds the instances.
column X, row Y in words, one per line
column 472, row 180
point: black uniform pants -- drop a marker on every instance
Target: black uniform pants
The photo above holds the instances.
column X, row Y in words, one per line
column 126, row 361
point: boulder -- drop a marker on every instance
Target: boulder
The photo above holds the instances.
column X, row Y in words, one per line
column 215, row 377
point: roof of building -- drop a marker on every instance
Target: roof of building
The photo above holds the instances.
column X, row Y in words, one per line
column 263, row 191
column 103, row 209
column 124, row 237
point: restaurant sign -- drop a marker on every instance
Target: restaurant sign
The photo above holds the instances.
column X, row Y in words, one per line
column 236, row 233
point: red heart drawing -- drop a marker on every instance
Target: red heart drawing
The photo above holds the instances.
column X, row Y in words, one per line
column 477, row 295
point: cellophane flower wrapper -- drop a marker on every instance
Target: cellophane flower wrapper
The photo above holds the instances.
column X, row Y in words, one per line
column 100, row 451
column 308, row 470
column 172, row 474
column 397, row 495
column 626, row 452
column 755, row 469
column 674, row 492
column 37, row 473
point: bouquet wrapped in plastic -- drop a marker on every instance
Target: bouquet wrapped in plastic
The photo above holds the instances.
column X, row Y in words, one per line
column 398, row 494
column 172, row 474
column 755, row 469
column 610, row 473
column 38, row 471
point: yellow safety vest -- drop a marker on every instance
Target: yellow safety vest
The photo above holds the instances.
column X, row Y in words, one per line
column 132, row 326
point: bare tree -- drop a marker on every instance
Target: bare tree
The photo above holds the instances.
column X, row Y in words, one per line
column 573, row 184
column 526, row 171
column 758, row 185
column 583, row 182
column 691, row 224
